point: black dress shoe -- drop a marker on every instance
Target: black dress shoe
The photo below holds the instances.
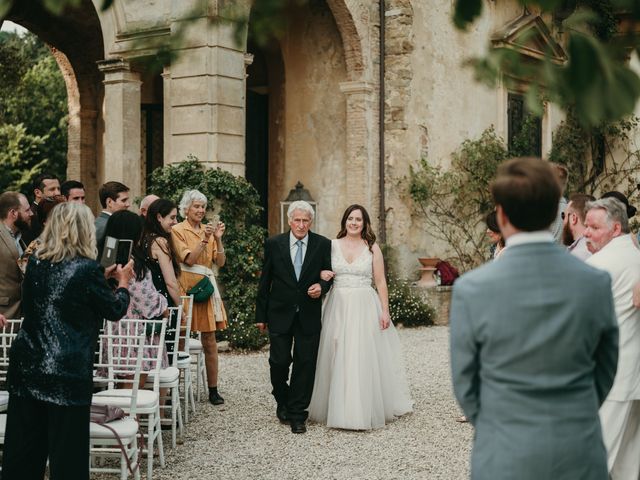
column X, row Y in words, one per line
column 298, row 426
column 281, row 413
column 215, row 398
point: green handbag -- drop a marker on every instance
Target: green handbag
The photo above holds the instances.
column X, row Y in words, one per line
column 202, row 290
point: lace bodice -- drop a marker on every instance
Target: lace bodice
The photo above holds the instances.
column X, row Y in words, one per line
column 356, row 274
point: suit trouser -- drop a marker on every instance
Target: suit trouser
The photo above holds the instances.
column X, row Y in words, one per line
column 297, row 394
column 621, row 434
column 39, row 430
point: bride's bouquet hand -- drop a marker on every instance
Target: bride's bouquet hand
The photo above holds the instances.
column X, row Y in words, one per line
column 327, row 275
column 385, row 321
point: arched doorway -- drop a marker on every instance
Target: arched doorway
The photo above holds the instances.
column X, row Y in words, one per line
column 296, row 125
column 76, row 38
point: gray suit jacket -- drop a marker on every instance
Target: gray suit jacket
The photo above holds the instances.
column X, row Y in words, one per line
column 101, row 226
column 10, row 276
column 534, row 347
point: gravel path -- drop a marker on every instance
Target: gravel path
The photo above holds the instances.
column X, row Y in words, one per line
column 244, row 440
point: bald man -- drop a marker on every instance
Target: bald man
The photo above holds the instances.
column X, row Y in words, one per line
column 146, row 203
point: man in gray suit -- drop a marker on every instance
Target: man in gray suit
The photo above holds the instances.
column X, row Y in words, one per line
column 15, row 218
column 534, row 343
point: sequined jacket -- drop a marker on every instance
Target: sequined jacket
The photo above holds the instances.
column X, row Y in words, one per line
column 63, row 304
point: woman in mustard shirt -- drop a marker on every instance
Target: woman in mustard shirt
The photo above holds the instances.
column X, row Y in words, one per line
column 198, row 246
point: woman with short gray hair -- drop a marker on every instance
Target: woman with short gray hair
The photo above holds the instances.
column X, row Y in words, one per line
column 198, row 245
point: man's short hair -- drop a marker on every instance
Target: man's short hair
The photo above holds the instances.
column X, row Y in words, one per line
column 9, row 201
column 528, row 192
column 562, row 173
column 38, row 182
column 69, row 185
column 111, row 190
column 578, row 204
column 615, row 210
column 303, row 206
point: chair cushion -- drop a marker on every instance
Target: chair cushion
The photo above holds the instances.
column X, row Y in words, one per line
column 122, row 398
column 195, row 345
column 127, row 428
column 167, row 375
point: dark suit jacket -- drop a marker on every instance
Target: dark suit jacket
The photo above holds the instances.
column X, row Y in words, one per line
column 10, row 276
column 280, row 295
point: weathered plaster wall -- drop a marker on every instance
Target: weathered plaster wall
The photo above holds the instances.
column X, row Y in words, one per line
column 313, row 132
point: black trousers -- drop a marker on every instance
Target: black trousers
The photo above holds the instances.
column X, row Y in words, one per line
column 39, row 430
column 296, row 395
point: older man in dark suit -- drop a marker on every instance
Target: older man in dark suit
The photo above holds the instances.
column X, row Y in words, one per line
column 290, row 304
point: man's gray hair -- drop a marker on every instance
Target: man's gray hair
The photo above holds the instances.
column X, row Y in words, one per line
column 188, row 198
column 300, row 205
column 616, row 211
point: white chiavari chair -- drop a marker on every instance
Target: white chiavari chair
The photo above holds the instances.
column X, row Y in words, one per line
column 148, row 401
column 170, row 376
column 116, row 366
column 184, row 358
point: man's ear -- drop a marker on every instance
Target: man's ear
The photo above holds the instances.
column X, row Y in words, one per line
column 617, row 229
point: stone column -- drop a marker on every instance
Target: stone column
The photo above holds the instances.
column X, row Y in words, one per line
column 166, row 113
column 361, row 143
column 208, row 96
column 122, row 142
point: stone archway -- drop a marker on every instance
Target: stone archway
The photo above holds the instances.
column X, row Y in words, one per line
column 76, row 41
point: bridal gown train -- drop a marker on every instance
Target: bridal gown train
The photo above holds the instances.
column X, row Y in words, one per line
column 360, row 381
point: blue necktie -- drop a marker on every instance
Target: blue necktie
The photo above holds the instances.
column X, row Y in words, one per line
column 297, row 262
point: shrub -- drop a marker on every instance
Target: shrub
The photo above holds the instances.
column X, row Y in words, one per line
column 239, row 208
column 408, row 307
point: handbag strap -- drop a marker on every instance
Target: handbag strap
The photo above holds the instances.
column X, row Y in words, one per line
column 198, row 269
column 122, row 448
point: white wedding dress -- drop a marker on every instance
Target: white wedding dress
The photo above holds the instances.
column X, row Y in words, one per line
column 360, row 380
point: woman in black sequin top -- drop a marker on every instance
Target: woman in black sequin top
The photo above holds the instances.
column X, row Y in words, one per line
column 50, row 378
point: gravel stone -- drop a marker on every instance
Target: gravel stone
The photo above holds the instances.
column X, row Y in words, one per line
column 244, row 440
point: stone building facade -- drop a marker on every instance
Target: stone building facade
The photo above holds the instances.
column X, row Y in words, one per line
column 303, row 107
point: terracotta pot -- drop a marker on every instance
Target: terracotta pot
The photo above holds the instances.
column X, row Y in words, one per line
column 428, row 261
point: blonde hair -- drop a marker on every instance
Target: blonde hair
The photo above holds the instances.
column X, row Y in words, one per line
column 68, row 233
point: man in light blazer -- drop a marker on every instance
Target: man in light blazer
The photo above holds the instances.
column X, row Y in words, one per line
column 15, row 218
column 608, row 237
column 534, row 343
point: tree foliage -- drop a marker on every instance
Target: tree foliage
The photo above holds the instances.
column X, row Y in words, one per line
column 238, row 204
column 452, row 202
column 33, row 112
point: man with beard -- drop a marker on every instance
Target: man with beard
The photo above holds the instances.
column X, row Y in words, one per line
column 15, row 218
column 45, row 185
column 573, row 225
column 609, row 239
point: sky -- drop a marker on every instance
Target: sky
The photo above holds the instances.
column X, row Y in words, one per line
column 8, row 26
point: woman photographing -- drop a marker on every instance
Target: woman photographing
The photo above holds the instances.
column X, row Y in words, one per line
column 199, row 246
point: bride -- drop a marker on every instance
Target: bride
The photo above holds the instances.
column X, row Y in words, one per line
column 360, row 381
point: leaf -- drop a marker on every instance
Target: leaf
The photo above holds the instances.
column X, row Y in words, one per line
column 5, row 6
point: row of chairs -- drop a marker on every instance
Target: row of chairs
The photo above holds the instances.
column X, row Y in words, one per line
column 122, row 349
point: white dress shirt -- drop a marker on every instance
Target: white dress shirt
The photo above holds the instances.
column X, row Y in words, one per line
column 521, row 238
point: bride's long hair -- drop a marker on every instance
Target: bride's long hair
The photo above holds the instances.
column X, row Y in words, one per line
column 366, row 233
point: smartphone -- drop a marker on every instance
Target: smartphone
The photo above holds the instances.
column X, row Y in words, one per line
column 212, row 218
column 116, row 252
